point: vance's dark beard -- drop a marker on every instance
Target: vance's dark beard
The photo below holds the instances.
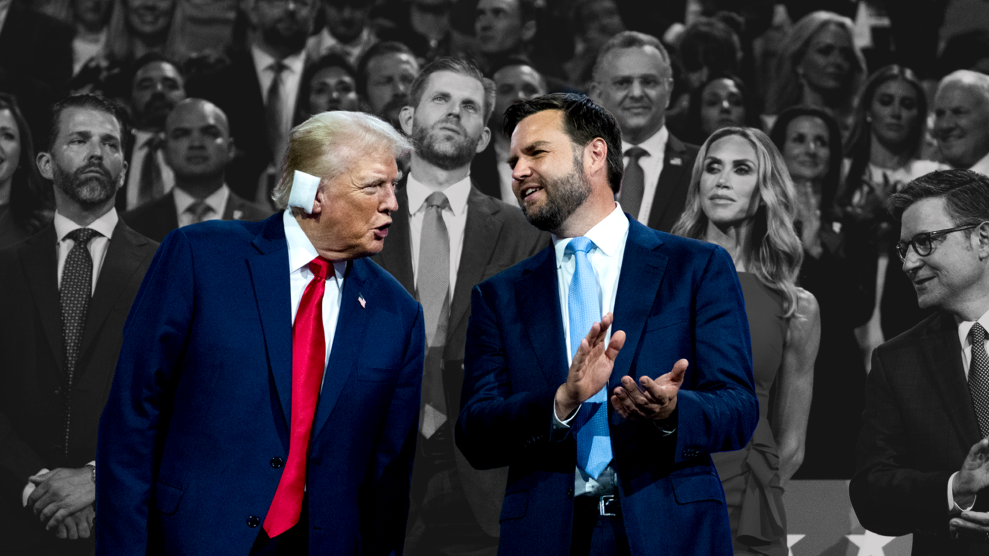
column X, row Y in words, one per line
column 564, row 195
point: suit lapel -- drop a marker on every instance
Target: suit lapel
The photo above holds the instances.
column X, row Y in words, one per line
column 642, row 272
column 272, row 292
column 396, row 256
column 234, row 203
column 40, row 259
column 538, row 299
column 123, row 258
column 480, row 239
column 942, row 357
column 350, row 333
column 673, row 167
column 166, row 217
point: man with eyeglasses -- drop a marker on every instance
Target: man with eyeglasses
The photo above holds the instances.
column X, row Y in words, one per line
column 633, row 79
column 922, row 456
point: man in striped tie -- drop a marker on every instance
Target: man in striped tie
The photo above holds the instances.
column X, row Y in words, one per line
column 267, row 393
column 922, row 456
column 606, row 368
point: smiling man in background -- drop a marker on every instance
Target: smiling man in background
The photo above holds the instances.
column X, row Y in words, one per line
column 961, row 120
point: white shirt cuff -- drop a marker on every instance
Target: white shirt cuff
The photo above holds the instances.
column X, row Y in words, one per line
column 952, row 506
column 563, row 423
column 30, row 488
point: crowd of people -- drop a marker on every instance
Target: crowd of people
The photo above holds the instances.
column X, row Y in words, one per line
column 771, row 130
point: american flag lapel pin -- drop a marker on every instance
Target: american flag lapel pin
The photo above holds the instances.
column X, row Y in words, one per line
column 676, row 161
column 360, row 297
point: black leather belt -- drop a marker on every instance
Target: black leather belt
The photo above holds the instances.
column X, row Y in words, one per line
column 602, row 506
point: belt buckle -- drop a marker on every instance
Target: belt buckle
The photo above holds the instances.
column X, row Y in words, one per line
column 602, row 504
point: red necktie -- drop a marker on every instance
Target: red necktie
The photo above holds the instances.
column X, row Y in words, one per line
column 308, row 356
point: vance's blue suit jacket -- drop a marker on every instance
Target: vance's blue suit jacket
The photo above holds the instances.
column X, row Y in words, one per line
column 194, row 435
column 677, row 298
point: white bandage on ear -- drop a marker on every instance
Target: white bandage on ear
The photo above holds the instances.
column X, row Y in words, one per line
column 304, row 187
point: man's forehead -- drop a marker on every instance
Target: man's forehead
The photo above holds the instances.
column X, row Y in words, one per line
column 455, row 84
column 195, row 116
column 634, row 61
column 507, row 5
column 392, row 61
column 925, row 215
column 545, row 126
column 519, row 73
column 74, row 120
column 158, row 69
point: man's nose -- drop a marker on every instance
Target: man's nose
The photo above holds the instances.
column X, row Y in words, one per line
column 637, row 90
column 912, row 261
column 391, row 201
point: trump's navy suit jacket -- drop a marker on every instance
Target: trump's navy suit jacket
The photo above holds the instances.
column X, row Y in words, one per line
column 677, row 298
column 193, row 438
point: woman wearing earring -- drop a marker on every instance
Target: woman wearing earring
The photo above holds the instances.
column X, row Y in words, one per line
column 818, row 65
column 883, row 155
column 810, row 142
column 741, row 198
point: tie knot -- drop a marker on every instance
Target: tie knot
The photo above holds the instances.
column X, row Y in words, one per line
column 81, row 236
column 437, row 199
column 320, row 267
column 277, row 67
column 199, row 210
column 635, row 153
column 154, row 142
column 580, row 245
column 978, row 333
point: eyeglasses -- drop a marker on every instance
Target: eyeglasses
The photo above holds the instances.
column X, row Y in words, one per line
column 923, row 243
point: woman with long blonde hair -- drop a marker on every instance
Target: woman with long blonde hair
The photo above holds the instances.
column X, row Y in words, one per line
column 741, row 198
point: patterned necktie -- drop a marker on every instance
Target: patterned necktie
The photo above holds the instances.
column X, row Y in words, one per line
column 274, row 112
column 77, row 287
column 151, row 185
column 584, row 309
column 199, row 210
column 978, row 377
column 308, row 363
column 634, row 183
column 433, row 285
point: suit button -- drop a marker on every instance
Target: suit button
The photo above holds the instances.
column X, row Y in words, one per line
column 570, row 491
column 253, row 521
column 277, row 462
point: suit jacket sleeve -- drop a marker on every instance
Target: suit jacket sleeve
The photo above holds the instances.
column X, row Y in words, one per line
column 385, row 503
column 717, row 409
column 502, row 424
column 136, row 415
column 889, row 497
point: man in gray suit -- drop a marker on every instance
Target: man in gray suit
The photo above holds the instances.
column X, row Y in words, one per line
column 445, row 238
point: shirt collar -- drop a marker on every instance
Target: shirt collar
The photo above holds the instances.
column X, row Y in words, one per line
column 300, row 250
column 982, row 166
column 262, row 60
column 608, row 235
column 655, row 145
column 457, row 194
column 104, row 224
column 964, row 327
column 216, row 201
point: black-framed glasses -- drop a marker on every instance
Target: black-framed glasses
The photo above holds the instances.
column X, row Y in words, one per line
column 923, row 243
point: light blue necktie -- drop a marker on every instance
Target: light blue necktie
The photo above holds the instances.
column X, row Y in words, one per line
column 584, row 309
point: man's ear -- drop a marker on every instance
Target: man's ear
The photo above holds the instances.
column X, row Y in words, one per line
column 122, row 178
column 528, row 30
column 485, row 139
column 595, row 92
column 596, row 157
column 982, row 236
column 44, row 162
column 405, row 118
column 320, row 202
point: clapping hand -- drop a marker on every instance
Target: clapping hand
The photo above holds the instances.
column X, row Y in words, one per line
column 591, row 367
column 655, row 399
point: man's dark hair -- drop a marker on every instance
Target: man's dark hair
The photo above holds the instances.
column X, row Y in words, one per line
column 965, row 194
column 460, row 67
column 583, row 121
column 150, row 58
column 92, row 102
column 376, row 51
column 630, row 39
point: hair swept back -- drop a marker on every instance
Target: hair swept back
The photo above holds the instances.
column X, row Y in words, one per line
column 328, row 144
column 775, row 252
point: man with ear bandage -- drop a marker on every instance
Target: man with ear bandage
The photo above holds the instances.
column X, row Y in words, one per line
column 266, row 396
